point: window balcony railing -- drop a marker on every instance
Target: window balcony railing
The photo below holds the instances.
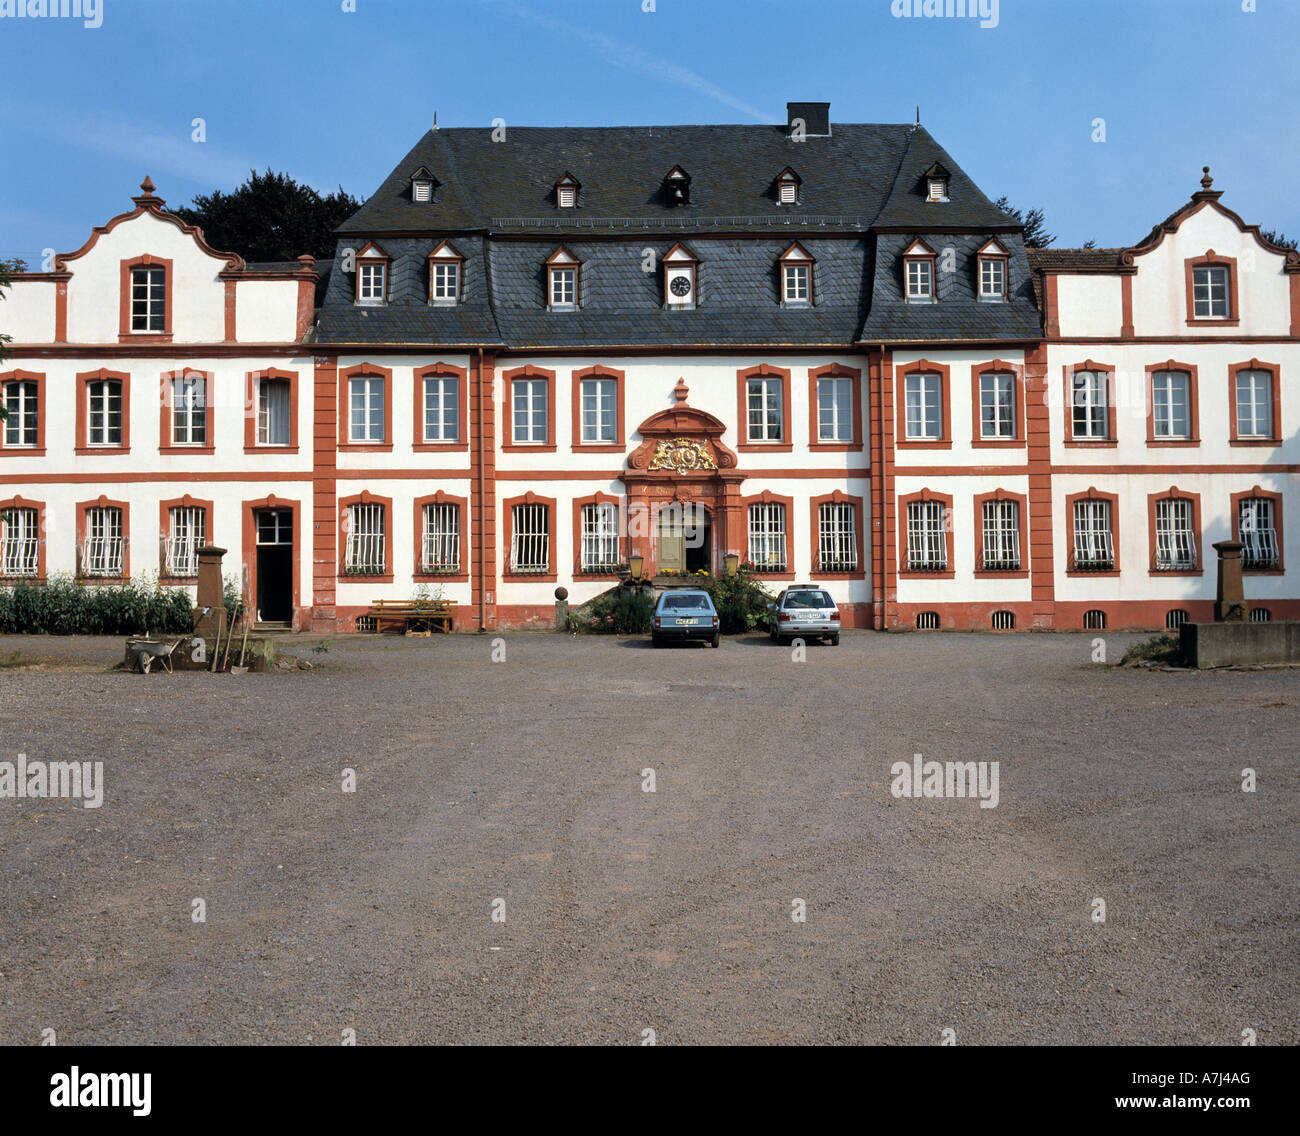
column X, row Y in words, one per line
column 102, row 556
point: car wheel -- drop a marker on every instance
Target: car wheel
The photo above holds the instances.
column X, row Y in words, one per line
column 835, row 640
column 655, row 641
column 771, row 632
column 716, row 641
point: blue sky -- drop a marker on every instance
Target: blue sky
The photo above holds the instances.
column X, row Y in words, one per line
column 337, row 97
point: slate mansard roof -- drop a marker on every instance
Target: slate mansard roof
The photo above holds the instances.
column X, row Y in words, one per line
column 862, row 199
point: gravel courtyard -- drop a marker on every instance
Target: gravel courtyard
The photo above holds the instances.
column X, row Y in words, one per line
column 624, row 910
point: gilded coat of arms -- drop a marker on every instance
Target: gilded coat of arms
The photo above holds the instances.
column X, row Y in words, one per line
column 682, row 455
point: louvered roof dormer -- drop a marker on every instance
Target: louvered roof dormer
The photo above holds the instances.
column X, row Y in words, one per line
column 423, row 185
column 787, row 187
column 936, row 183
column 566, row 191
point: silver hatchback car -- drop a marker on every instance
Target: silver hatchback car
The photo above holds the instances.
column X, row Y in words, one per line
column 804, row 611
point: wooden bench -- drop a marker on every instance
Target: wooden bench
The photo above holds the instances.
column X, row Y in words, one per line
column 416, row 617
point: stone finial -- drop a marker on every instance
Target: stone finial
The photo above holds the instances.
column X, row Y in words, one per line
column 681, row 390
column 147, row 186
column 1206, row 181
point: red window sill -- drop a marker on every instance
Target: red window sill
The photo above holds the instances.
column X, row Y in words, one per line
column 110, row 580
column 511, row 448
column 22, row 451
column 908, row 574
column 1173, row 442
column 365, row 447
column 998, row 444
column 187, row 450
column 938, row 444
column 15, row 581
column 840, row 575
column 768, row 447
column 1213, row 322
column 1092, row 443
column 441, row 577
column 835, row 447
column 1254, row 441
column 580, row 575
column 362, row 578
column 1175, row 571
column 144, row 337
column 1073, row 573
column 178, row 580
column 601, row 448
column 1263, row 571
column 529, row 578
column 764, row 574
column 1001, row 574
column 270, row 449
column 440, row 447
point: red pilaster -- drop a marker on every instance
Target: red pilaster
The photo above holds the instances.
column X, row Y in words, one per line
column 483, row 507
column 1042, row 577
column 324, row 546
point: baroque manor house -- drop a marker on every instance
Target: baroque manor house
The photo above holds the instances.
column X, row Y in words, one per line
column 817, row 347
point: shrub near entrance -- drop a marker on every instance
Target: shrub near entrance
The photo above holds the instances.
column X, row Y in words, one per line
column 741, row 601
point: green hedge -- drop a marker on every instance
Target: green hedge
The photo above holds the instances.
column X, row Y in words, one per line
column 623, row 612
column 741, row 601
column 64, row 607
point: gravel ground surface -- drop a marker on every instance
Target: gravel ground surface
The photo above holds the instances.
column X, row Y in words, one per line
column 625, row 910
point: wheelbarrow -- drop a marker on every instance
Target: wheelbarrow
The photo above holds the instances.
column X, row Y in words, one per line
column 148, row 650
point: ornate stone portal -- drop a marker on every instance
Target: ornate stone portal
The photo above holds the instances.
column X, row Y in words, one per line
column 681, row 458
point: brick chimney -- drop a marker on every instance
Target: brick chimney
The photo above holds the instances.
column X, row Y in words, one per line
column 816, row 118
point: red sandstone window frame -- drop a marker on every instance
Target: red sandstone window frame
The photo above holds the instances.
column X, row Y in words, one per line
column 83, row 381
column 998, row 367
column 125, row 334
column 1278, row 518
column 1210, row 259
column 364, row 371
column 1174, row 493
column 103, row 502
column 1092, row 494
column 167, row 443
column 20, row 502
column 420, row 444
column 365, row 497
column 441, row 498
column 579, row 446
column 838, row 497
column 164, row 530
column 1275, row 381
column 834, row 371
column 1193, row 404
column 508, row 442
column 1067, row 374
column 598, row 498
column 1022, row 526
column 926, row 495
column 21, row 376
column 507, row 527
column 767, row 497
column 923, row 367
column 763, row 371
column 252, row 396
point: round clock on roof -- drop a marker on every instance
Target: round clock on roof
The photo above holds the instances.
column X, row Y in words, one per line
column 680, row 286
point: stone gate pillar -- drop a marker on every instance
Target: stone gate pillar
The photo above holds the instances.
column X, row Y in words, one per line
column 1230, row 600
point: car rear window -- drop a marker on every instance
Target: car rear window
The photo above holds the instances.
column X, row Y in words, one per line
column 809, row 599
column 686, row 603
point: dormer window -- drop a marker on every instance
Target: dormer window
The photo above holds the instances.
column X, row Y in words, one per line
column 936, row 183
column 562, row 281
column 677, row 186
column 787, row 187
column 992, row 261
column 445, row 275
column 422, row 185
column 566, row 191
column 372, row 275
column 796, row 276
column 918, row 273
column 679, row 277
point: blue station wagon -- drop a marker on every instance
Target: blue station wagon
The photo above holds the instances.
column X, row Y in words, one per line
column 684, row 614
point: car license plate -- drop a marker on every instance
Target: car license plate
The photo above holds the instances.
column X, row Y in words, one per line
column 687, row 622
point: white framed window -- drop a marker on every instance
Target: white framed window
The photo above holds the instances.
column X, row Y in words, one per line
column 104, row 420
column 797, row 287
column 189, row 411
column 1258, row 533
column 1171, row 404
column 767, row 536
column 444, row 288
column 997, row 406
column 441, row 408
column 1175, row 538
column 764, row 398
column 923, row 398
column 835, row 409
column 993, row 278
column 1254, row 396
column 599, row 398
column 927, row 540
column 564, row 287
column 1001, row 551
column 920, row 279
column 371, row 278
column 21, row 402
column 148, row 300
column 1094, row 548
column 837, row 538
column 530, row 539
column 364, row 548
column 529, row 399
column 1210, row 294
column 599, row 537
column 20, row 542
column 1089, row 405
column 102, row 550
column 274, row 412
column 366, row 408
column 440, row 539
column 274, row 526
column 187, row 533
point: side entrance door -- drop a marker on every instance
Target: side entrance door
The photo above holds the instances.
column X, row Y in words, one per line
column 274, row 566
